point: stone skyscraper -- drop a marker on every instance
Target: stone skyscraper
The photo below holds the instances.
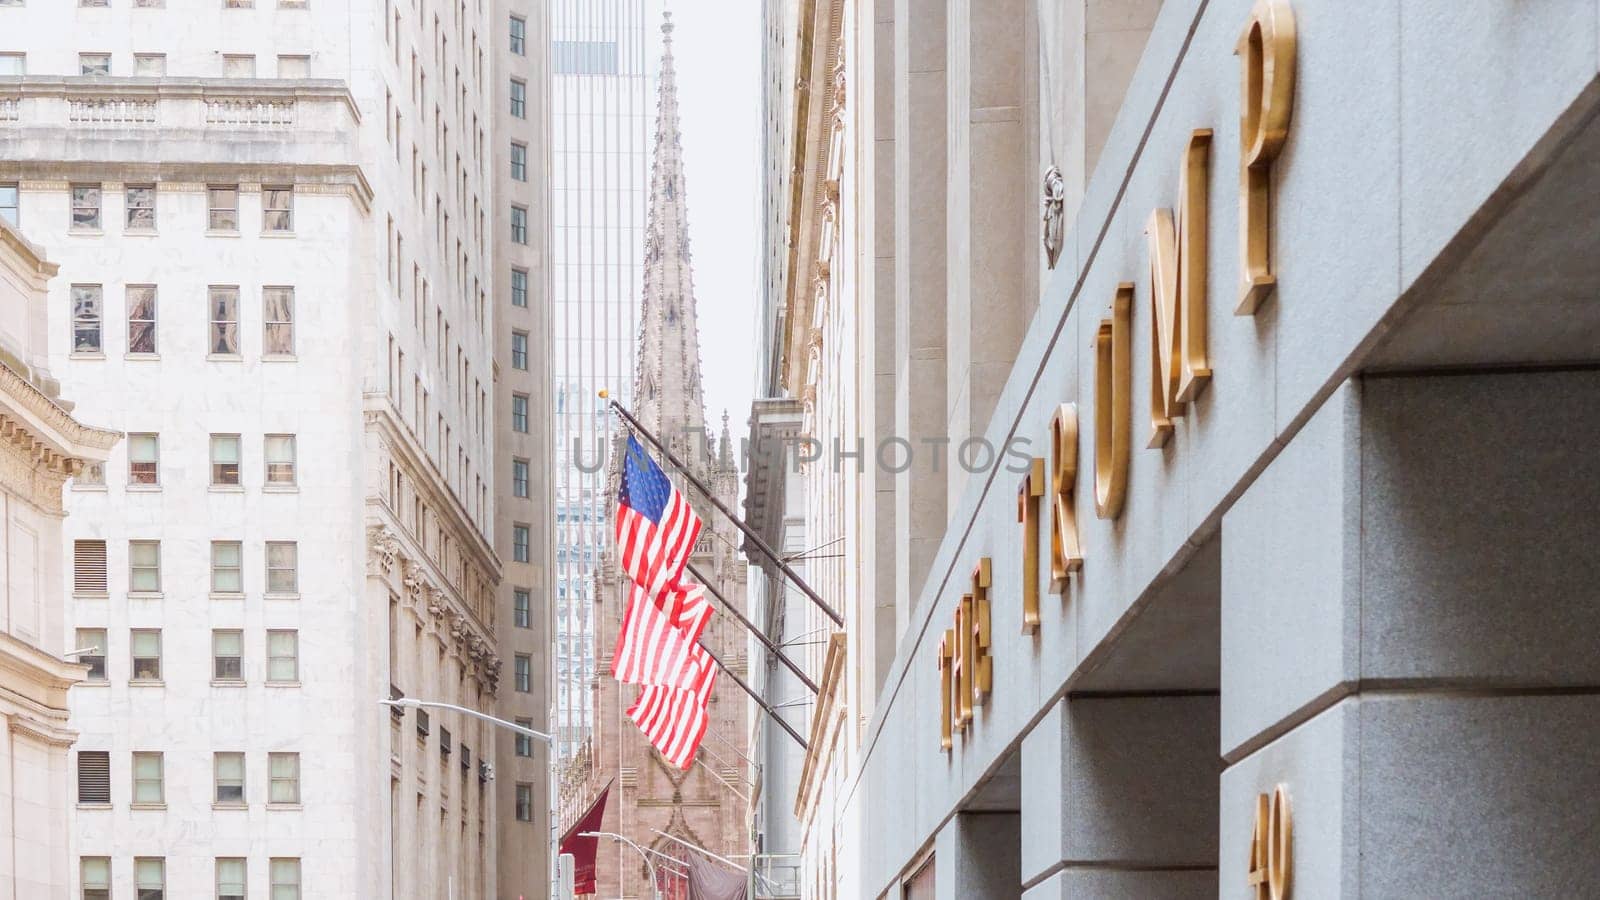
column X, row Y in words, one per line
column 703, row 806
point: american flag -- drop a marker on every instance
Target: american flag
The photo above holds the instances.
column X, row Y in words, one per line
column 656, row 527
column 674, row 719
column 654, row 647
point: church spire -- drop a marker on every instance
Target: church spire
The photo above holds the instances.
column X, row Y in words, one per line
column 667, row 387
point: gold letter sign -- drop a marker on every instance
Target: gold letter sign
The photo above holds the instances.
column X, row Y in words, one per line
column 1112, row 372
column 1178, row 365
column 1271, row 846
column 1028, row 514
column 946, row 688
column 1066, row 556
column 1267, row 48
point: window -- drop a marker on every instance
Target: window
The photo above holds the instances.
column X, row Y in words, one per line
column 524, row 803
column 227, row 655
column 283, row 656
column 92, row 475
column 279, row 452
column 519, row 224
column 277, row 335
column 229, row 777
column 238, row 65
column 226, row 567
column 144, row 567
column 94, row 776
column 294, row 67
column 142, row 319
column 94, row 63
column 524, row 673
column 94, row 873
column 519, row 413
column 285, row 879
column 86, row 207
column 519, row 161
column 144, row 458
column 519, row 98
column 223, row 211
column 519, row 287
column 8, row 192
column 524, row 743
column 89, row 568
column 519, row 543
column 147, row 789
column 519, row 350
column 519, row 35
column 519, row 607
column 230, row 878
column 149, row 4
column 238, row 4
column 86, row 318
column 150, row 877
column 13, row 64
column 283, row 772
column 140, row 209
column 95, row 659
column 277, row 209
column 283, row 567
column 146, row 648
column 150, row 65
column 225, row 460
column 519, row 477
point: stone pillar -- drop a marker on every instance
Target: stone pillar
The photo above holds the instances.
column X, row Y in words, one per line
column 886, row 634
column 1407, row 641
column 919, row 251
column 1119, row 798
column 975, row 856
column 991, row 256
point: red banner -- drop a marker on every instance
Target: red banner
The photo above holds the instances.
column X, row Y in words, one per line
column 584, row 849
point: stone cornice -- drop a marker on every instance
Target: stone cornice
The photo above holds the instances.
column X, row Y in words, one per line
column 323, row 89
column 47, row 423
column 31, row 256
column 433, row 600
column 35, row 680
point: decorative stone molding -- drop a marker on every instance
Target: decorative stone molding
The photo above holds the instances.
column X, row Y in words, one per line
column 382, row 550
column 1055, row 197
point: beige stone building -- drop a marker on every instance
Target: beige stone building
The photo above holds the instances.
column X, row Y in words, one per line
column 41, row 446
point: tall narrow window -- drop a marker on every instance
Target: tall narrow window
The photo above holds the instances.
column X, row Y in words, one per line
column 223, row 212
column 283, row 656
column 285, row 879
column 140, row 210
column 524, row 803
column 94, row 873
column 524, row 673
column 230, row 878
column 227, row 655
column 227, row 567
column 519, row 35
column 144, row 567
column 519, row 224
column 89, row 568
column 142, row 319
column 145, row 644
column 521, row 615
column 519, row 98
column 94, row 777
column 519, row 543
column 86, row 300
column 519, row 287
column 524, row 743
column 86, row 207
column 283, row 567
column 93, row 641
column 519, row 413
column 150, row 878
column 223, row 300
column 279, row 451
column 519, row 161
column 147, row 780
column 277, row 209
column 277, row 336
column 283, row 770
column 229, row 779
column 225, row 460
column 519, row 477
column 144, row 459
column 519, row 350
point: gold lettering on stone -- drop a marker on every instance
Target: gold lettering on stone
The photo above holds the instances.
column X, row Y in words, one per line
column 1271, row 846
column 1179, row 368
column 1029, row 501
column 1266, row 50
column 1066, row 554
column 1112, row 409
column 946, row 689
column 982, row 663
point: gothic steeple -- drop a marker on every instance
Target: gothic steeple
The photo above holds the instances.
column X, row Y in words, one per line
column 667, row 386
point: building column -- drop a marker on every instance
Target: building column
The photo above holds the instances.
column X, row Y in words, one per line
column 886, row 635
column 920, row 256
column 975, row 856
column 1407, row 632
column 1119, row 798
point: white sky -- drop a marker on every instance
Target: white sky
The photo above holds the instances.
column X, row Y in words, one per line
column 717, row 52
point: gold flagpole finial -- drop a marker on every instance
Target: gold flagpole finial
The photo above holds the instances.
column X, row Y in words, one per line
column 604, row 394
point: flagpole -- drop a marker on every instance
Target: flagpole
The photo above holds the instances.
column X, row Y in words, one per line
column 758, row 699
column 710, row 495
column 751, row 626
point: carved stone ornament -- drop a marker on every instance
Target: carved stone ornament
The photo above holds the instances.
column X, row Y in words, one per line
column 1055, row 199
column 382, row 550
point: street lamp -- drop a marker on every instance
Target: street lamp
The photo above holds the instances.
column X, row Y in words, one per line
column 411, row 703
column 655, row 886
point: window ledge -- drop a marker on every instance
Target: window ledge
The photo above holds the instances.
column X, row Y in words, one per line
column 279, row 358
column 86, row 355
column 144, row 488
column 224, row 357
column 281, row 595
column 145, row 595
column 85, row 232
column 151, row 683
column 154, row 806
column 237, row 806
column 89, row 488
column 142, row 357
column 226, row 595
column 228, row 682
column 140, row 232
column 227, row 489
column 93, row 682
column 284, row 684
column 280, row 489
column 289, row 806
column 277, row 234
column 104, row 806
column 94, row 595
column 222, row 234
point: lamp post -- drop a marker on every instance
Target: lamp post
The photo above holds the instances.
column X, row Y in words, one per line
column 655, row 885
